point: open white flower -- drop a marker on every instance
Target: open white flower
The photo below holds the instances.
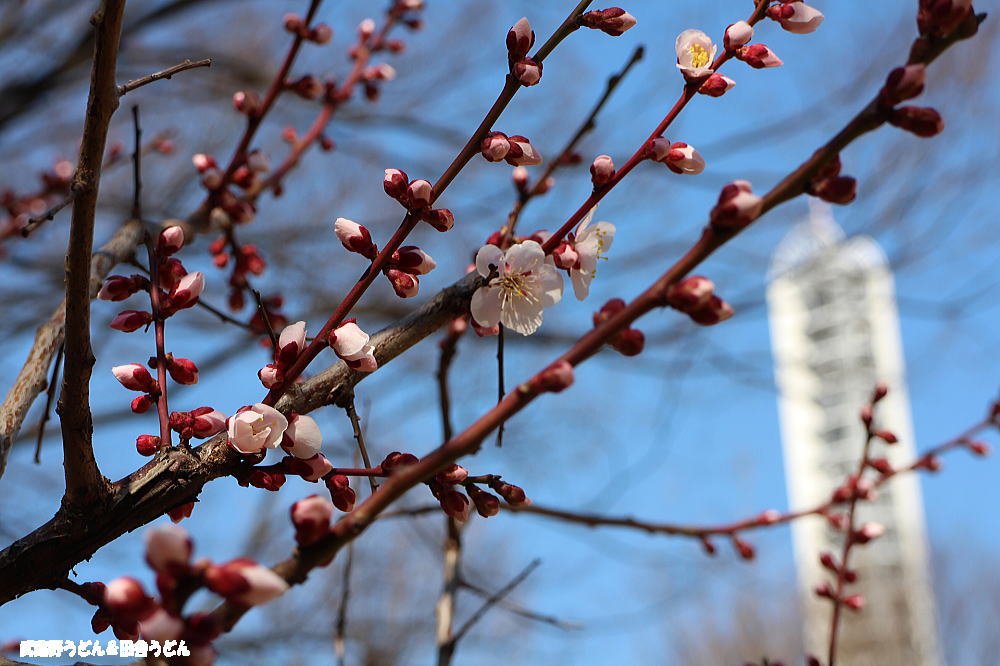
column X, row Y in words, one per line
column 591, row 244
column 256, row 428
column 695, row 54
column 524, row 286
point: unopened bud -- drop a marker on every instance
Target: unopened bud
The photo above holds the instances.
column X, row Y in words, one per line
column 442, row 219
column 613, row 21
column 920, row 120
column 737, row 35
column 716, row 85
column 602, row 170
column 419, row 194
column 394, row 183
column 737, row 206
column 404, row 284
column 903, row 83
column 758, row 56
column 555, row 378
column 147, row 445
column 355, row 237
column 520, row 39
column 130, row 320
column 527, row 71
column 713, row 312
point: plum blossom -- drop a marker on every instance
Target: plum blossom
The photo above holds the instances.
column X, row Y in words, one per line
column 796, row 17
column 351, row 344
column 581, row 253
column 523, row 286
column 302, row 437
column 245, row 582
column 256, row 428
column 695, row 54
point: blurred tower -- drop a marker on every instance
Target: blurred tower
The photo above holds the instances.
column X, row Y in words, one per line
column 835, row 333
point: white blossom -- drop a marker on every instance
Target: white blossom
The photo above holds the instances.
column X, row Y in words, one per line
column 523, row 286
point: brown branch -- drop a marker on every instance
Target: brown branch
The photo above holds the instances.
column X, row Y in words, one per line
column 35, row 222
column 31, row 380
column 359, row 436
column 492, row 601
column 340, row 638
column 451, row 579
column 50, row 394
column 83, row 478
column 517, row 609
column 129, row 86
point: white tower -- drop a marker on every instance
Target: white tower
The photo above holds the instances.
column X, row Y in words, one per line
column 835, row 333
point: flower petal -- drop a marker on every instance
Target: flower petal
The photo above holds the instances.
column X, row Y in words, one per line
column 486, row 306
column 549, row 287
column 488, row 255
column 581, row 283
column 522, row 316
column 524, row 258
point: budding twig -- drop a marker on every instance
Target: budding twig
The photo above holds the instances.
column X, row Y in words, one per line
column 35, row 222
column 129, row 86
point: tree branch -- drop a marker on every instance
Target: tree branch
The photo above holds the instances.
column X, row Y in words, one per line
column 83, row 478
column 129, row 86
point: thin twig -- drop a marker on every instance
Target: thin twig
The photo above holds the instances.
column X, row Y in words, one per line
column 589, row 123
column 501, row 392
column 137, row 165
column 451, row 580
column 359, row 436
column 449, row 347
column 128, row 87
column 518, row 609
column 494, row 599
column 50, row 395
column 267, row 320
column 35, row 222
column 340, row 639
column 159, row 324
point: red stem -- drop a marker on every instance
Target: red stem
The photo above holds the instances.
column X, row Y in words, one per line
column 162, row 408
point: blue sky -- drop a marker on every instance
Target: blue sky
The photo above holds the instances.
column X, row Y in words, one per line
column 686, row 432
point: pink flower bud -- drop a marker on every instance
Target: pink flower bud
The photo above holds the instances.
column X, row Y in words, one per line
column 412, row 259
column 168, row 549
column 716, row 85
column 293, row 23
column 355, row 237
column 565, row 256
column 350, row 343
column 713, row 312
column 441, row 219
column 187, row 291
column 208, row 422
column 520, row 177
column 456, row 505
column 161, row 626
column 302, row 438
column 608, row 310
column 887, row 436
column 979, row 448
column 824, row 590
column 796, row 16
column 341, row 493
column 118, row 288
column 737, row 206
column 658, row 149
column 453, row 475
column 869, row 532
column 130, row 320
column 903, row 83
column 127, row 601
column 881, row 390
column 246, row 102
column 494, row 146
column 758, row 56
column 683, row 158
column 366, row 29
column 922, row 121
column 203, row 162
column 602, row 170
column 211, row 179
column 314, row 468
column 171, row 240
column 520, row 39
column 135, row 377
column 690, row 294
column 942, row 17
column 404, row 284
column 527, row 71
column 855, row 602
column 245, row 582
column 486, row 503
column 142, row 403
column 828, row 562
column 147, row 445
column 182, row 370
column 419, row 194
column 839, row 190
column 555, row 378
column 320, row 34
column 629, row 342
column 513, row 495
column 737, row 35
column 396, row 461
column 257, row 162
column 291, row 342
column 270, row 376
column 522, row 153
column 614, row 21
column 744, row 549
column 311, row 518
column 881, row 465
column 394, row 183
column 171, row 272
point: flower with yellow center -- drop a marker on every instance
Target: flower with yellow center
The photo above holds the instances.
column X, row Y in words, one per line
column 695, row 54
column 591, row 243
column 521, row 285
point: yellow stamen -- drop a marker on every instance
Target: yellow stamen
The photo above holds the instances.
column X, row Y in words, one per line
column 699, row 56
